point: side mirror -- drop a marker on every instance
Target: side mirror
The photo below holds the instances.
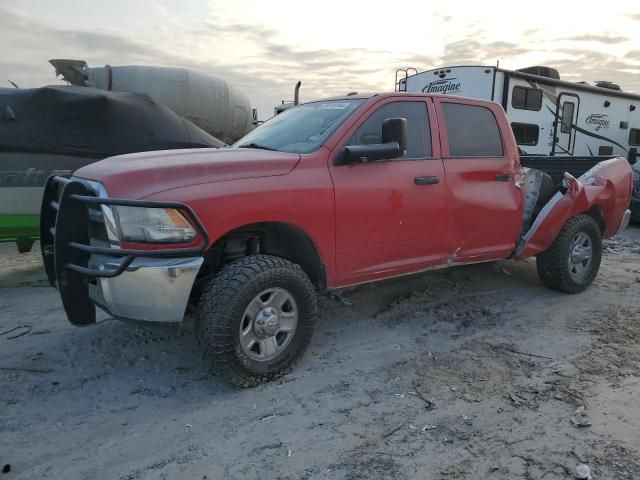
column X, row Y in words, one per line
column 395, row 130
column 632, row 156
column 394, row 145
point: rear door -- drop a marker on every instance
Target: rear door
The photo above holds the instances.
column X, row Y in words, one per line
column 564, row 127
column 390, row 214
column 483, row 188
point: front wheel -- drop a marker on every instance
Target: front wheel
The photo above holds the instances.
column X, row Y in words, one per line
column 572, row 261
column 255, row 319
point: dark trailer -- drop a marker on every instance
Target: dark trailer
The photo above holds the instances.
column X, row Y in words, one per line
column 58, row 129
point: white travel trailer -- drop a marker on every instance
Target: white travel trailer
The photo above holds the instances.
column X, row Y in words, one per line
column 549, row 116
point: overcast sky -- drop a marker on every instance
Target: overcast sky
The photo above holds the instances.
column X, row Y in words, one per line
column 334, row 47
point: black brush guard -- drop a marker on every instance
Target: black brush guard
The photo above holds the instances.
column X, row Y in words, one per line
column 66, row 245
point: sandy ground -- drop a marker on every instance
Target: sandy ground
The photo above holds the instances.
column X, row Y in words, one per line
column 469, row 373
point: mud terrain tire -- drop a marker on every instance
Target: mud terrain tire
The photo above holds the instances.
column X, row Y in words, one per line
column 239, row 311
column 572, row 261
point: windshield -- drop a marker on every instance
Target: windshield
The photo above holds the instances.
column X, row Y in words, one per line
column 301, row 129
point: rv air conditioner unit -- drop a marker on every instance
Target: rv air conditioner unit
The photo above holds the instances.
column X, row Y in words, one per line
column 609, row 85
column 541, row 72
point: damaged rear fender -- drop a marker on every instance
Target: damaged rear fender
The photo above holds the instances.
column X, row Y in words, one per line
column 606, row 186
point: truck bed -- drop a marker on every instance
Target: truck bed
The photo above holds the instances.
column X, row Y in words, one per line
column 557, row 166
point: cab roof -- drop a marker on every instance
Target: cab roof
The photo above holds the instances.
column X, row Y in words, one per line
column 369, row 95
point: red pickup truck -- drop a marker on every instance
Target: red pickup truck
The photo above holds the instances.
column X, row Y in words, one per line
column 328, row 194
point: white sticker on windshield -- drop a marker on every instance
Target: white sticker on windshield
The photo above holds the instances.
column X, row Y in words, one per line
column 333, row 106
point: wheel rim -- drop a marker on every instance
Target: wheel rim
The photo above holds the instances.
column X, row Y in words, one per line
column 580, row 257
column 268, row 324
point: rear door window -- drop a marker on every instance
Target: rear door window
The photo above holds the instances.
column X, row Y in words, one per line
column 567, row 117
column 472, row 131
column 418, row 132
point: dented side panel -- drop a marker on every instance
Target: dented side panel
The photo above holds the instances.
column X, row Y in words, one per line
column 607, row 186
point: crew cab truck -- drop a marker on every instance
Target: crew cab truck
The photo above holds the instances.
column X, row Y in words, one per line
column 328, row 194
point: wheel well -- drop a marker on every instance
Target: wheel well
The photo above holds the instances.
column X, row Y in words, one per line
column 595, row 212
column 271, row 238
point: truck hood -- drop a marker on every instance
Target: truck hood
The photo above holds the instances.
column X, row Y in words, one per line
column 138, row 175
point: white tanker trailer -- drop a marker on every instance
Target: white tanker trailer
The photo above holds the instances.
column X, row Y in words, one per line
column 218, row 108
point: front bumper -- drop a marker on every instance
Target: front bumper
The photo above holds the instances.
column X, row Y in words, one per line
column 90, row 270
column 150, row 289
column 625, row 220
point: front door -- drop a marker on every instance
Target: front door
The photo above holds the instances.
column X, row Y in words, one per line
column 566, row 119
column 391, row 214
column 484, row 184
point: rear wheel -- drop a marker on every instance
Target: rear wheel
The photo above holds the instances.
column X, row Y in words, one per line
column 255, row 319
column 572, row 261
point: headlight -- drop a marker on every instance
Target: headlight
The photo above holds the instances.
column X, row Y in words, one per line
column 152, row 225
column 636, row 183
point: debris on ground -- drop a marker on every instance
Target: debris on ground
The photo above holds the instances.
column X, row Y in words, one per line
column 517, row 401
column 27, row 369
column 342, row 299
column 518, row 352
column 429, row 403
column 22, row 330
column 580, row 418
column 583, row 472
column 392, row 431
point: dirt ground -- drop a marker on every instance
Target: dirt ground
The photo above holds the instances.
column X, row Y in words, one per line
column 467, row 373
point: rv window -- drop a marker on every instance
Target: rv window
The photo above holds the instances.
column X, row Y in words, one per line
column 634, row 136
column 526, row 98
column 525, row 133
column 418, row 134
column 472, row 131
column 567, row 117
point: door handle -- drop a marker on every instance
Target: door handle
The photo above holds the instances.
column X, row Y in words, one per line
column 503, row 178
column 427, row 180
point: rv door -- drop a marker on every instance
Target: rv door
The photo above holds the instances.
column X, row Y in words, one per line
column 564, row 127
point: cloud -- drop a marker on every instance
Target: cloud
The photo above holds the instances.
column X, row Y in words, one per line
column 443, row 17
column 577, row 65
column 266, row 66
column 26, row 33
column 217, row 29
column 608, row 38
column 473, row 51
